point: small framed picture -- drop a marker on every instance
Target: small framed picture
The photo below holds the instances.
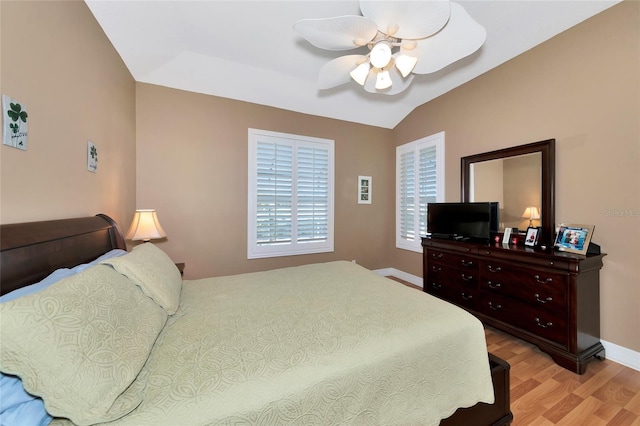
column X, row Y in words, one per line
column 532, row 236
column 574, row 238
column 506, row 238
column 364, row 189
column 92, row 157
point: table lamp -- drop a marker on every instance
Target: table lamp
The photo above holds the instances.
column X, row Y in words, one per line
column 531, row 213
column 145, row 226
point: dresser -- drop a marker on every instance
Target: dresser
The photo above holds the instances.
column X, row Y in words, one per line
column 550, row 299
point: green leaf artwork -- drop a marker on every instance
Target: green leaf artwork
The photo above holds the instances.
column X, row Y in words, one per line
column 92, row 157
column 14, row 128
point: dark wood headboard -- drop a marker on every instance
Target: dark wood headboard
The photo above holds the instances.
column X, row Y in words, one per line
column 30, row 251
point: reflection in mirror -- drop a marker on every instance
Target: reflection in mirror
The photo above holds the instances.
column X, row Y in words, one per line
column 521, row 179
column 515, row 182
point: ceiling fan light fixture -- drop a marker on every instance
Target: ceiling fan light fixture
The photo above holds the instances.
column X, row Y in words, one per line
column 426, row 35
column 360, row 73
column 380, row 55
column 405, row 64
column 383, row 81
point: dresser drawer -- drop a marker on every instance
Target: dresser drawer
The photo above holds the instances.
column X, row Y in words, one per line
column 451, row 260
column 538, row 287
column 545, row 323
column 454, row 286
column 554, row 262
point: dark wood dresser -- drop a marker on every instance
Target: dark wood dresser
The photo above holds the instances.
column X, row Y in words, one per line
column 548, row 298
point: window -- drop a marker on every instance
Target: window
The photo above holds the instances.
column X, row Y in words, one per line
column 290, row 206
column 419, row 180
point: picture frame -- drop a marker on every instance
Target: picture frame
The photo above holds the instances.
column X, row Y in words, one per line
column 506, row 238
column 574, row 238
column 92, row 157
column 533, row 234
column 364, row 189
column 15, row 123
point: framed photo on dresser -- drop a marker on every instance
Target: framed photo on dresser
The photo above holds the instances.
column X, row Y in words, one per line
column 533, row 233
column 574, row 238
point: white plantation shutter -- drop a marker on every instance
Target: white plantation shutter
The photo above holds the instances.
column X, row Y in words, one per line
column 407, row 195
column 428, row 181
column 290, row 206
column 274, row 189
column 419, row 180
column 312, row 198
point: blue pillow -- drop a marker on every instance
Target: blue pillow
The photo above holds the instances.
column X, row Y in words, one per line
column 17, row 407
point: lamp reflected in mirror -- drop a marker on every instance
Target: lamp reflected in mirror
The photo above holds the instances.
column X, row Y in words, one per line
column 532, row 213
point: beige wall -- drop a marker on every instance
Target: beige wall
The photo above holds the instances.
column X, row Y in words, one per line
column 59, row 64
column 192, row 168
column 583, row 89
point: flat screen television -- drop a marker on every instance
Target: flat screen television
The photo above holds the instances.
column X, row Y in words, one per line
column 468, row 221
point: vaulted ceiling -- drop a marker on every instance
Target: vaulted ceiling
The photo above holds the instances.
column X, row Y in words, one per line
column 248, row 50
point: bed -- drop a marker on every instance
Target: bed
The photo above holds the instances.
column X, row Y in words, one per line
column 122, row 340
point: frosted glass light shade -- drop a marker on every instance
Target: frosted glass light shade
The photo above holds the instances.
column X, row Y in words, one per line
column 145, row 226
column 380, row 55
column 360, row 73
column 383, row 80
column 405, row 64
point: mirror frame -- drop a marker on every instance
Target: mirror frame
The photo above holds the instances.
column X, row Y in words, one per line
column 548, row 150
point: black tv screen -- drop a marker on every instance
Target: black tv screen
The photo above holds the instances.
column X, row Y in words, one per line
column 473, row 221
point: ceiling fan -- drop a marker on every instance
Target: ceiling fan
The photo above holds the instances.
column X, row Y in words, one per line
column 404, row 38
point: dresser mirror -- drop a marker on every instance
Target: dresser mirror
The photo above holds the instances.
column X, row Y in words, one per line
column 521, row 179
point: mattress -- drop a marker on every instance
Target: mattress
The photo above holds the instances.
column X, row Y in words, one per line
column 318, row 344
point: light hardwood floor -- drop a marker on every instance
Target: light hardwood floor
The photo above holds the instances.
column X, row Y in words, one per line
column 544, row 394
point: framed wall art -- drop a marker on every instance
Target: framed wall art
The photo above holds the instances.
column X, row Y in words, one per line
column 574, row 238
column 92, row 157
column 14, row 123
column 364, row 189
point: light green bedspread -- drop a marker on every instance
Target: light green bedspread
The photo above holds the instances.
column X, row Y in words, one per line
column 320, row 344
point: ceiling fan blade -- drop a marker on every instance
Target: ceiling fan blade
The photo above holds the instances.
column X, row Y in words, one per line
column 459, row 38
column 339, row 33
column 336, row 72
column 413, row 19
column 399, row 83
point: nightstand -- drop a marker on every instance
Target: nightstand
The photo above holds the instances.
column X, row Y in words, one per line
column 180, row 267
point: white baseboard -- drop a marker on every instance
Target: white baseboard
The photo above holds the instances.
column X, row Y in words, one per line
column 622, row 355
column 615, row 353
column 387, row 272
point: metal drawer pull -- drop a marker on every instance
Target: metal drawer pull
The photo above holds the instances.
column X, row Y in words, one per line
column 547, row 281
column 465, row 297
column 493, row 285
column 466, row 263
column 436, row 268
column 467, row 277
column 437, row 255
column 496, row 269
column 548, row 299
column 547, row 325
column 436, row 285
column 496, row 307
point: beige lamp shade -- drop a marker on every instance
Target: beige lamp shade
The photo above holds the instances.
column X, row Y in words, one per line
column 145, row 226
column 531, row 213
